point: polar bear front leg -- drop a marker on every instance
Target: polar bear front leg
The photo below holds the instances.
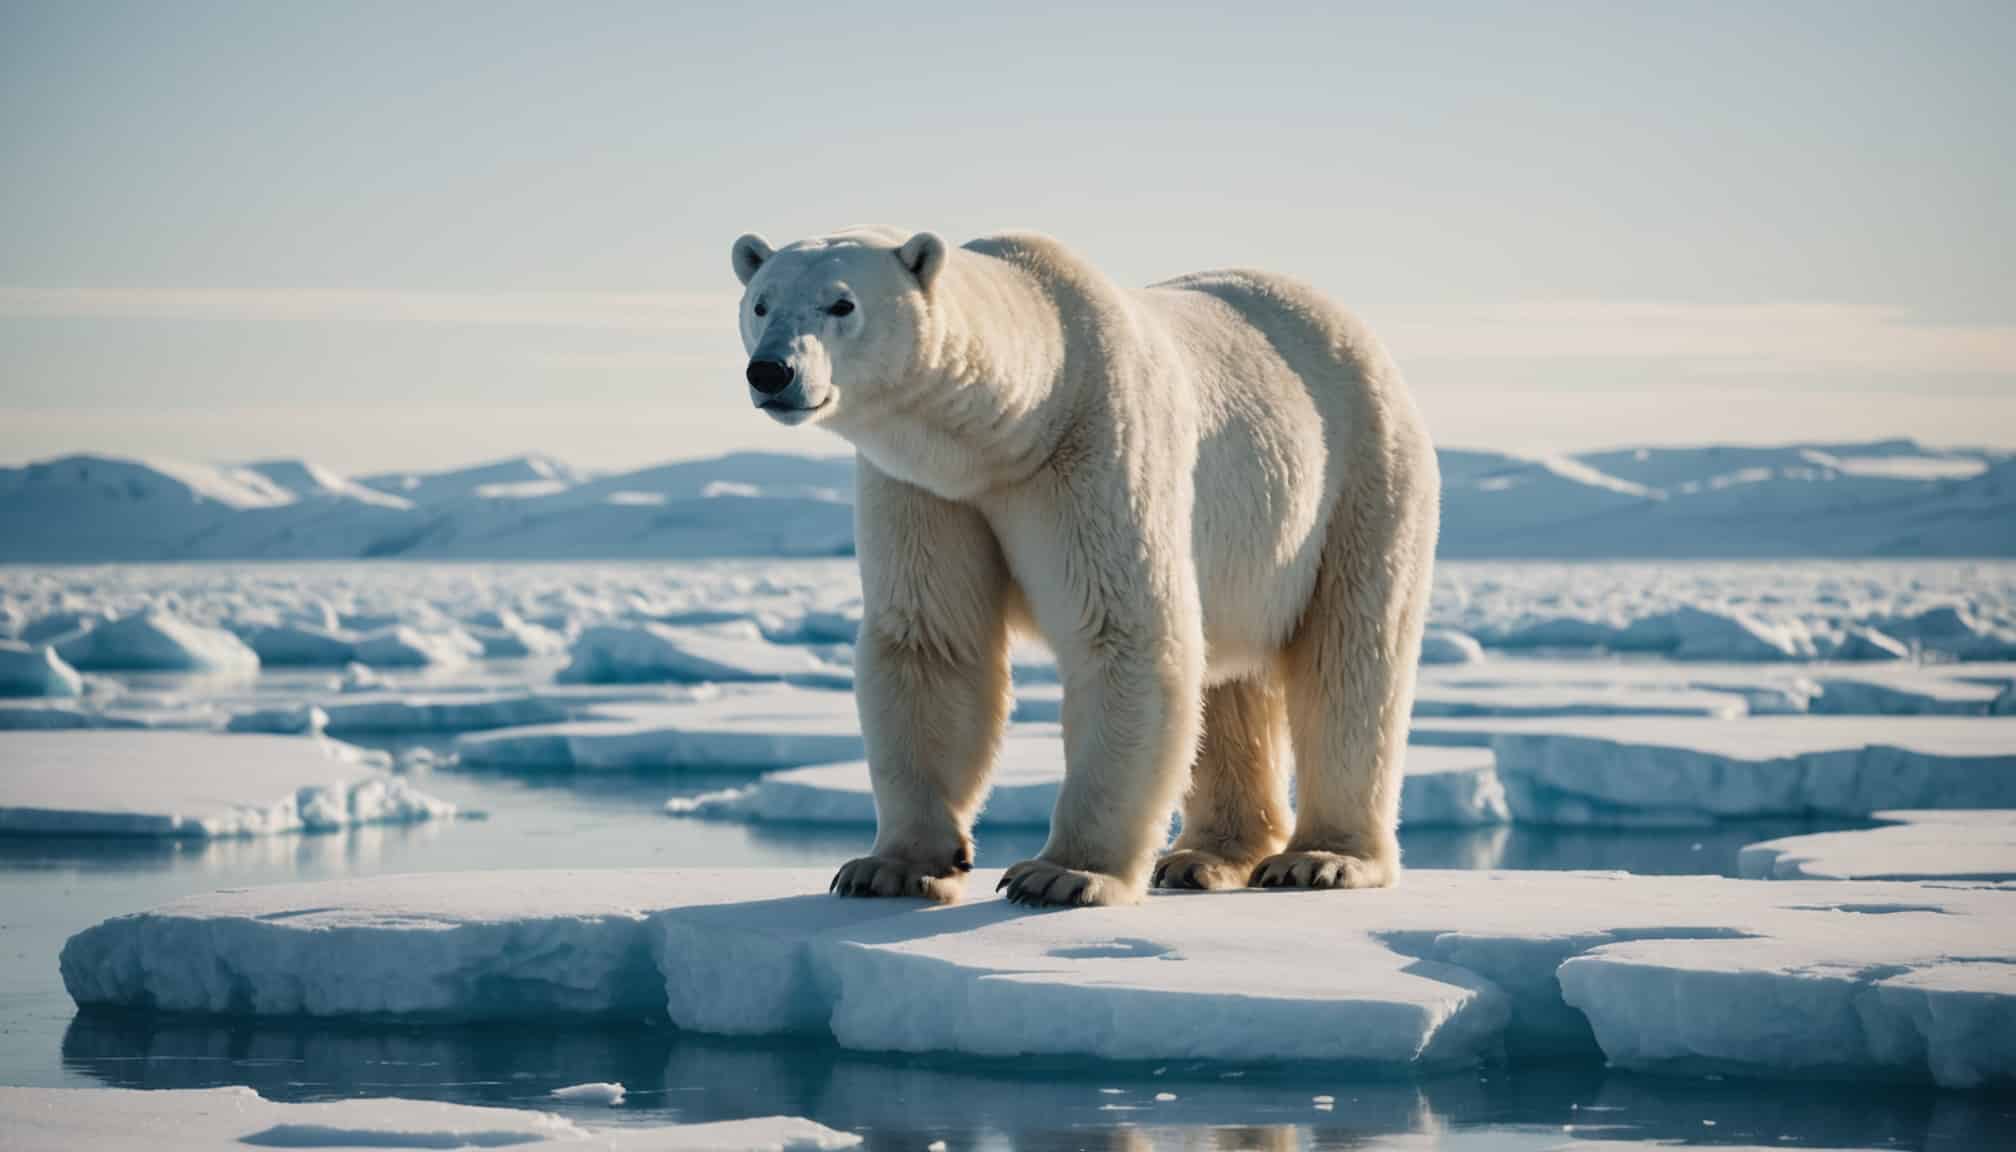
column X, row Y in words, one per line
column 1120, row 610
column 931, row 682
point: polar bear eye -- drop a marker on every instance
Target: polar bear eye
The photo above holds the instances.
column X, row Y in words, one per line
column 762, row 309
column 840, row 308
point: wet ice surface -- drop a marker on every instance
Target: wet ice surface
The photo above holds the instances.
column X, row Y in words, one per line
column 555, row 799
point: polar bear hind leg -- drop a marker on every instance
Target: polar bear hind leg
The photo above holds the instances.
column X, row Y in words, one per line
column 1350, row 684
column 1236, row 812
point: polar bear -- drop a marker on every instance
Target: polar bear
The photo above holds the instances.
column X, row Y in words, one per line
column 1213, row 498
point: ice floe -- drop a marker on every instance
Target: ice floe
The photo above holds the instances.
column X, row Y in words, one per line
column 1692, row 770
column 747, row 729
column 158, row 641
column 605, row 1094
column 196, row 784
column 730, row 652
column 1921, row 845
column 217, row 1119
column 1682, row 974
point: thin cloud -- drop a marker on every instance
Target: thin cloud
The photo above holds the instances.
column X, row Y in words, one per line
column 641, row 311
column 1789, row 337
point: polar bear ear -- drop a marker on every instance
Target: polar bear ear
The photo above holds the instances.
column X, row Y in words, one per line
column 924, row 255
column 750, row 253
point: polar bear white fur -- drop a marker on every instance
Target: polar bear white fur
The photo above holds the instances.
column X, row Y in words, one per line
column 1213, row 498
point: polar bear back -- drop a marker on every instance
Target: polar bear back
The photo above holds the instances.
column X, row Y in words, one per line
column 1296, row 402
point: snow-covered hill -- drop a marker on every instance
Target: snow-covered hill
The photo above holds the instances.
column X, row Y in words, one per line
column 1889, row 498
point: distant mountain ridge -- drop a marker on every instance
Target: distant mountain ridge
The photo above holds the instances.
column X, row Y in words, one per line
column 1891, row 498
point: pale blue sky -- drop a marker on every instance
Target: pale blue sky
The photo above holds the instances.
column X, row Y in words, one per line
column 419, row 234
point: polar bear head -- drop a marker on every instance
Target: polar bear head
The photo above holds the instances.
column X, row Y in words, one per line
column 833, row 325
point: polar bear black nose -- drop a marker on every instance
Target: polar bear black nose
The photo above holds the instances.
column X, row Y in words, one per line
column 770, row 376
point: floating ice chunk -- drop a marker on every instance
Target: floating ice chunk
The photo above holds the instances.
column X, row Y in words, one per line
column 1557, row 632
column 746, row 729
column 831, row 626
column 1442, row 970
column 1904, row 690
column 158, row 642
column 721, row 653
column 1691, row 633
column 215, row 1119
column 1539, row 699
column 360, row 678
column 57, row 626
column 36, row 671
column 1023, row 792
column 1951, row 630
column 284, row 719
column 1442, row 786
column 1686, row 770
column 1924, row 845
column 609, row 1094
column 467, row 945
column 196, row 784
column 1451, row 786
column 1448, row 646
column 1855, row 998
column 506, row 635
column 362, row 712
column 1861, row 644
column 299, row 645
column 404, row 647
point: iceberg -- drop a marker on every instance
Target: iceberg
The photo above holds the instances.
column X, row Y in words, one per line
column 196, row 784
column 1672, row 974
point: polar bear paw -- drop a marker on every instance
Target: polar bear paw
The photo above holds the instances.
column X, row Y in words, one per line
column 1039, row 883
column 891, row 876
column 1192, row 868
column 1318, row 869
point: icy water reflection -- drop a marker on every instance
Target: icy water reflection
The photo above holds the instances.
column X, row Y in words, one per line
column 908, row 1102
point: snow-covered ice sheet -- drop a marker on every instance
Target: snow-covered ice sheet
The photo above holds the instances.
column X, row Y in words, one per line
column 1672, row 973
column 1442, row 786
column 221, row 1119
column 1922, row 845
column 744, row 729
column 1690, row 770
column 195, row 784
